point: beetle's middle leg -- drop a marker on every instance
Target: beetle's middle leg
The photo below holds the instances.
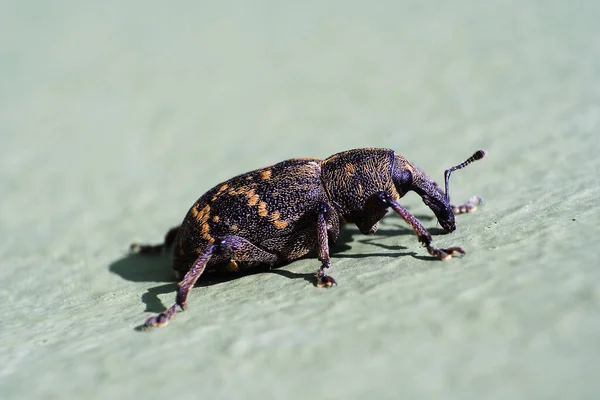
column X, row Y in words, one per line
column 468, row 207
column 422, row 233
column 233, row 248
column 323, row 280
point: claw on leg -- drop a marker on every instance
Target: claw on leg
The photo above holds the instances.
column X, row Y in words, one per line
column 444, row 254
column 163, row 318
column 324, row 280
column 136, row 248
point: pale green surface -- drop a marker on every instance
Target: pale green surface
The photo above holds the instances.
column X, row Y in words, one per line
column 115, row 117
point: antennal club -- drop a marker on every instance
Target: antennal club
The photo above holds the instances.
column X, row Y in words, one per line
column 479, row 154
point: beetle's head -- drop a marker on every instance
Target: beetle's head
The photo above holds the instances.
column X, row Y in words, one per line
column 441, row 208
column 433, row 196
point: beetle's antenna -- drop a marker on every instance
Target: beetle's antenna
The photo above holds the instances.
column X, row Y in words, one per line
column 479, row 154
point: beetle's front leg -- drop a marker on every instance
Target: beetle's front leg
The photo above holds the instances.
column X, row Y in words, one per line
column 323, row 280
column 422, row 233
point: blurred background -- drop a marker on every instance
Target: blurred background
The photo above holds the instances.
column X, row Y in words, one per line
column 116, row 116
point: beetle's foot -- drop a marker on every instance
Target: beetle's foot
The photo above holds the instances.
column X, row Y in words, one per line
column 324, row 280
column 136, row 248
column 468, row 207
column 444, row 254
column 161, row 319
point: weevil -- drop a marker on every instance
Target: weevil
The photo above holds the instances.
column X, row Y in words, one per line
column 280, row 213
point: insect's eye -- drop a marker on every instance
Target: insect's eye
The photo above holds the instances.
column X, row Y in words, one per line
column 405, row 181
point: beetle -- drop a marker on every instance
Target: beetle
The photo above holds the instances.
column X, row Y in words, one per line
column 279, row 213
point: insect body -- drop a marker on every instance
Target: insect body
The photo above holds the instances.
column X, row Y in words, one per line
column 282, row 212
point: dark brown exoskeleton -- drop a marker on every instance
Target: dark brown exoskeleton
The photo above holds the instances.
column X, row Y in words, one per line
column 280, row 213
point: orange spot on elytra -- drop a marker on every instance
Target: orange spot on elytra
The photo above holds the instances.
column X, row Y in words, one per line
column 201, row 249
column 238, row 191
column 203, row 215
column 205, row 233
column 215, row 218
column 262, row 209
column 253, row 200
column 280, row 224
column 220, row 191
column 266, row 174
column 252, row 197
column 277, row 223
column 274, row 216
column 234, row 228
column 194, row 210
column 350, row 170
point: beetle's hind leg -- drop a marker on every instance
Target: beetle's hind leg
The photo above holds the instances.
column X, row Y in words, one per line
column 233, row 247
column 468, row 207
column 183, row 288
column 156, row 248
column 323, row 280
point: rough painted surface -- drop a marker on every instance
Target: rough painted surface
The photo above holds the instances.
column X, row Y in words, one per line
column 108, row 111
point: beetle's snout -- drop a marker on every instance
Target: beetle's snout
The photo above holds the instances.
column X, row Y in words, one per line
column 448, row 224
column 445, row 217
column 442, row 211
